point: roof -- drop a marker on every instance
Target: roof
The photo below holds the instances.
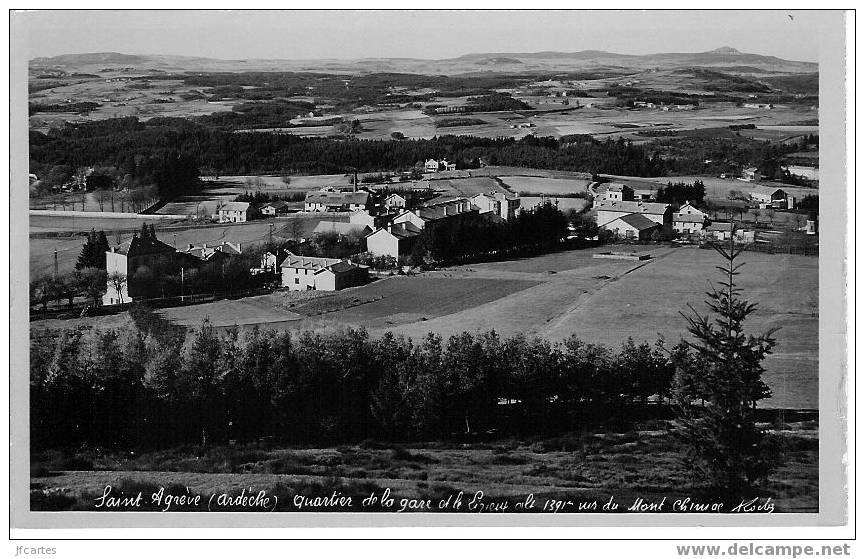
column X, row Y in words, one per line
column 234, row 206
column 654, row 208
column 638, row 221
column 317, row 264
column 689, row 218
column 395, row 195
column 768, row 190
column 275, row 204
column 722, row 226
column 337, row 198
column 137, row 246
column 612, row 187
column 400, row 230
column 341, row 227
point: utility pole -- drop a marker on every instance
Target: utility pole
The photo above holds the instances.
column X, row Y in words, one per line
column 181, row 285
column 55, row 264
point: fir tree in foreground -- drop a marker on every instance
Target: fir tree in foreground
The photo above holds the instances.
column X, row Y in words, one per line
column 717, row 386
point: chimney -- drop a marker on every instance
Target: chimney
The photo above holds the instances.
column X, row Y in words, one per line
column 189, row 246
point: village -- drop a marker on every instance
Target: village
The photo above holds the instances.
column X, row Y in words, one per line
column 385, row 224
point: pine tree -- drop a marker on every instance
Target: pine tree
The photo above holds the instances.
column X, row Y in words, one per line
column 88, row 252
column 717, row 386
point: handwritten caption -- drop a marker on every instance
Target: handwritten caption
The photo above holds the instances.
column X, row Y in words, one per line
column 249, row 499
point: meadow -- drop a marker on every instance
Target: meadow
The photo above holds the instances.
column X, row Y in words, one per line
column 578, row 466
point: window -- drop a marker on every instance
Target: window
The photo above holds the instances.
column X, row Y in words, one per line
column 296, row 280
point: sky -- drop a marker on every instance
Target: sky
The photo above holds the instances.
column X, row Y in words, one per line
column 344, row 34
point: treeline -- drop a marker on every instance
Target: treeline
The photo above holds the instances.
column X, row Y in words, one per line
column 445, row 241
column 174, row 147
column 152, row 386
column 81, row 107
column 679, row 192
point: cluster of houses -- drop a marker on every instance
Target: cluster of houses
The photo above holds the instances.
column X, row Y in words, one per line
column 631, row 213
column 125, row 260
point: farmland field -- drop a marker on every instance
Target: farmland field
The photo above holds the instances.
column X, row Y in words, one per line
column 569, row 292
column 540, row 185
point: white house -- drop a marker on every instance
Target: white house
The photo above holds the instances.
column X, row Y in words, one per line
column 498, row 203
column 331, row 201
column 431, row 166
column 688, row 220
column 302, row 273
column 270, row 209
column 123, row 261
column 394, row 201
column 751, row 174
column 394, row 240
column 234, row 212
column 613, row 192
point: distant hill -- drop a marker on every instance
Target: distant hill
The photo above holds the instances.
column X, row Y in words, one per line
column 547, row 61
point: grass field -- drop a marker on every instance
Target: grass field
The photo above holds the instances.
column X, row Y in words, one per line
column 541, row 185
column 585, row 466
column 563, row 204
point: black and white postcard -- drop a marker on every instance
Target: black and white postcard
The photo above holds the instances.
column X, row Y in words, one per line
column 429, row 268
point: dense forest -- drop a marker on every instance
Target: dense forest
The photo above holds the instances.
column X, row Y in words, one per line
column 171, row 152
column 154, row 386
column 136, row 147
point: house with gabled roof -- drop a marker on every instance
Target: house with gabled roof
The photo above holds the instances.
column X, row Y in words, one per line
column 335, row 201
column 271, row 209
column 234, row 212
column 613, row 191
column 395, row 240
column 689, row 219
column 633, row 226
column 124, row 260
column 302, row 273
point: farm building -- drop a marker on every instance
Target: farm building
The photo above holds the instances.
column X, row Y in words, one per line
column 613, row 191
column 633, row 226
column 234, row 212
column 768, row 196
column 302, row 273
column 688, row 220
column 657, row 212
column 498, row 203
column 720, row 231
column 272, row 208
column 334, row 201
